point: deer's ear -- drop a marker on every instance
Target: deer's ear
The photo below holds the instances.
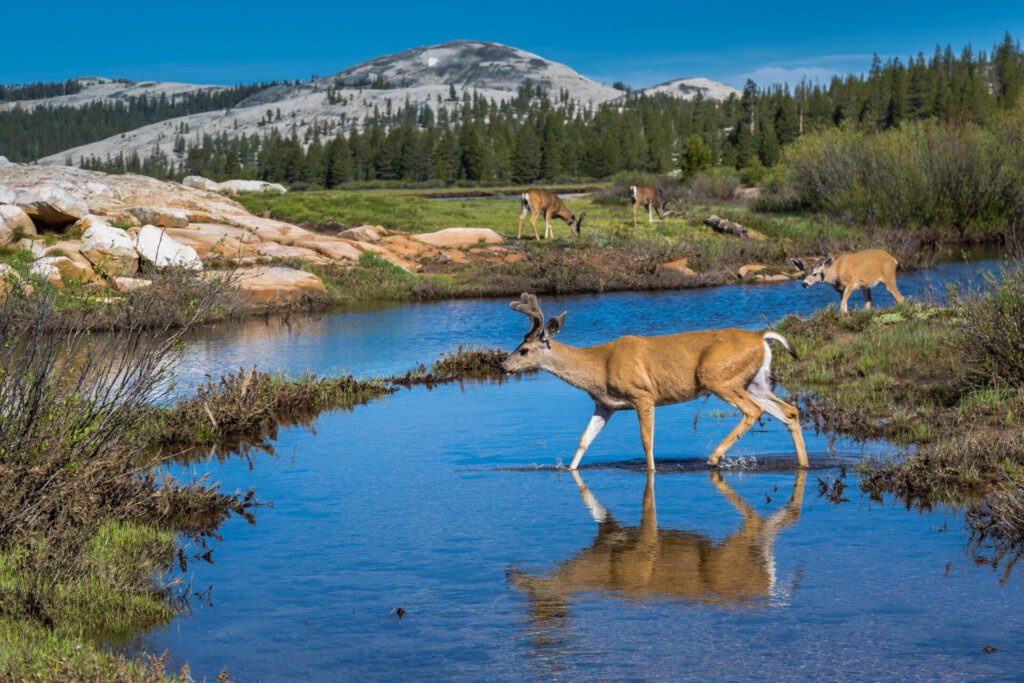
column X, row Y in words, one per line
column 554, row 325
column 799, row 264
column 828, row 262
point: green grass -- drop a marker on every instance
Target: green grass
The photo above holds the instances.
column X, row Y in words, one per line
column 108, row 596
column 412, row 212
column 611, row 254
column 906, row 375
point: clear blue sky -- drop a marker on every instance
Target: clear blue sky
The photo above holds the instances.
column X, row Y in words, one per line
column 639, row 43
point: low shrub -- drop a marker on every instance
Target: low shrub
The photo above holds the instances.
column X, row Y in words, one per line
column 993, row 330
column 714, row 185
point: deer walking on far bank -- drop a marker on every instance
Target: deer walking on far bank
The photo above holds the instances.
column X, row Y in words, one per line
column 640, row 373
column 648, row 563
column 854, row 270
column 645, row 196
column 537, row 201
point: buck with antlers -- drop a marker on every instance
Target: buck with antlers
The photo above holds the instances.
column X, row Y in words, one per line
column 647, row 563
column 645, row 196
column 640, row 373
column 854, row 270
column 537, row 201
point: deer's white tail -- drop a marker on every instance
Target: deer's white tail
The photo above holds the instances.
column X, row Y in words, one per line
column 775, row 336
column 632, row 193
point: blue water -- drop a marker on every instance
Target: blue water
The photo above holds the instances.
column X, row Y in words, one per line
column 415, row 501
column 396, row 338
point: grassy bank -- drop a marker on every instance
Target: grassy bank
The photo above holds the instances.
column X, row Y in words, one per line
column 948, row 380
column 88, row 537
column 610, row 255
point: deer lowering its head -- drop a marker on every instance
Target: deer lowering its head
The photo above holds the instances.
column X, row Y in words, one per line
column 645, row 196
column 854, row 270
column 535, row 202
column 640, row 373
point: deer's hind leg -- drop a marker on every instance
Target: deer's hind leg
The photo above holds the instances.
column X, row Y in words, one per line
column 867, row 298
column 522, row 215
column 741, row 399
column 761, row 392
column 890, row 284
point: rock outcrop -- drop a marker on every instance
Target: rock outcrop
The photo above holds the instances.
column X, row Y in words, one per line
column 14, row 220
column 680, row 266
column 6, row 195
column 198, row 182
column 277, row 284
column 110, row 250
column 157, row 247
column 363, row 233
column 119, row 220
column 159, row 216
column 51, row 205
column 459, row 238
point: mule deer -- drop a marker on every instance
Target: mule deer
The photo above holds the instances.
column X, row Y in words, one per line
column 640, row 373
column 854, row 270
column 645, row 196
column 648, row 563
column 536, row 201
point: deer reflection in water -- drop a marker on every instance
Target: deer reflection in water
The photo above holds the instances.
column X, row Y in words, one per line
column 644, row 563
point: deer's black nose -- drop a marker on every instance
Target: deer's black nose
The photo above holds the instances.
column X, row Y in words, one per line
column 806, row 285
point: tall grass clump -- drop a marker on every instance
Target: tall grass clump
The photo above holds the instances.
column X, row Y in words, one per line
column 85, row 531
column 923, row 175
column 993, row 330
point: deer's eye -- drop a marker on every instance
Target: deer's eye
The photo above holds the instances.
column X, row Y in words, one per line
column 523, row 352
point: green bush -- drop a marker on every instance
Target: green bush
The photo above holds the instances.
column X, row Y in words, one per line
column 921, row 175
column 993, row 326
column 713, row 185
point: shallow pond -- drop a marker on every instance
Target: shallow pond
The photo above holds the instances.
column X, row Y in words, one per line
column 442, row 502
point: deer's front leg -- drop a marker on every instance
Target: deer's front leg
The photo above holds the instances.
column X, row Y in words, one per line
column 597, row 423
column 845, row 299
column 645, row 413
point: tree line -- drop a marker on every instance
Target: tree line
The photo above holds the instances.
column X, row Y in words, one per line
column 532, row 136
column 30, row 134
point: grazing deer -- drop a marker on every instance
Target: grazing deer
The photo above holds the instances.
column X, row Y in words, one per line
column 648, row 563
column 537, row 201
column 639, row 373
column 645, row 196
column 854, row 270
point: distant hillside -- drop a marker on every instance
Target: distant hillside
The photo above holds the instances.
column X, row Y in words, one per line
column 92, row 89
column 90, row 109
column 688, row 88
column 337, row 104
